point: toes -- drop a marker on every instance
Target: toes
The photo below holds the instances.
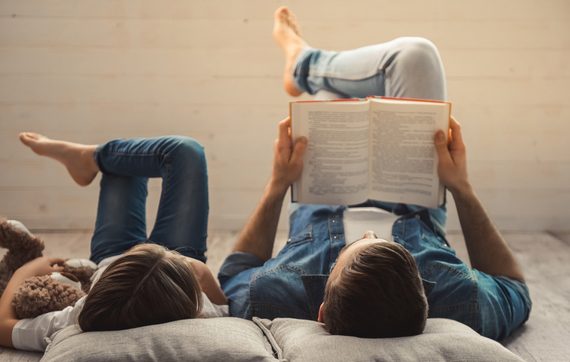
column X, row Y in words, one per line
column 25, row 138
column 281, row 13
column 284, row 16
column 29, row 138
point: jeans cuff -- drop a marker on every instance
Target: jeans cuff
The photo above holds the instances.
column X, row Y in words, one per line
column 301, row 69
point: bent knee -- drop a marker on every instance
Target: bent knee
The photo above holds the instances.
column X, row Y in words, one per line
column 418, row 52
column 189, row 149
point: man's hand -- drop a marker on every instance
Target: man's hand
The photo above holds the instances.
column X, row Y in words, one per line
column 452, row 166
column 288, row 159
column 40, row 266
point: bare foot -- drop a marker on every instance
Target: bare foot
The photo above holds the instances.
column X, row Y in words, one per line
column 77, row 158
column 286, row 34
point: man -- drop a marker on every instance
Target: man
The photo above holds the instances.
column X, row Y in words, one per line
column 376, row 287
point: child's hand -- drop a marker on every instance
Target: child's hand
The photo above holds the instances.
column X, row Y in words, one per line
column 40, row 266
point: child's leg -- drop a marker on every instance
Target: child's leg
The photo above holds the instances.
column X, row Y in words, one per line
column 121, row 221
column 76, row 157
column 182, row 218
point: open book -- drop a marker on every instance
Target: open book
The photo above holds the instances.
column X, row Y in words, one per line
column 377, row 148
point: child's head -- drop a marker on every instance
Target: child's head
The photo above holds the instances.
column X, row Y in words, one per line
column 147, row 285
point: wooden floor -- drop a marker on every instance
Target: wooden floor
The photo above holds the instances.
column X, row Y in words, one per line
column 545, row 259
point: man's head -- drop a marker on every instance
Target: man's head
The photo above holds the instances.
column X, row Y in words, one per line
column 147, row 285
column 374, row 291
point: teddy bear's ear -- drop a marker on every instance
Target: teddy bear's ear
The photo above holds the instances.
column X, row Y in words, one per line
column 17, row 225
column 82, row 269
column 22, row 247
column 15, row 237
column 39, row 295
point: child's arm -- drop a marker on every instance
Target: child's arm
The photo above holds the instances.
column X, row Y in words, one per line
column 38, row 266
column 208, row 283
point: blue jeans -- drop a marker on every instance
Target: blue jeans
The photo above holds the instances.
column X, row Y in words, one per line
column 182, row 218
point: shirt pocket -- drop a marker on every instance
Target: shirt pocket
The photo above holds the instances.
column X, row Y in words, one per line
column 304, row 236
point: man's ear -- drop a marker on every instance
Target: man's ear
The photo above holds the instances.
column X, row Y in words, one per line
column 320, row 316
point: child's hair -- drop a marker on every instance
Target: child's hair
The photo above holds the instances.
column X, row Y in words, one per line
column 148, row 285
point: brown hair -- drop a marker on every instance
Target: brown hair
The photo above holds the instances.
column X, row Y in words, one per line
column 378, row 293
column 147, row 285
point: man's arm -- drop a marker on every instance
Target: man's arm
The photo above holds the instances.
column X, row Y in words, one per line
column 488, row 251
column 38, row 266
column 258, row 235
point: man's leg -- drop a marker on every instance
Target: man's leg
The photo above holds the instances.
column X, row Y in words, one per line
column 404, row 67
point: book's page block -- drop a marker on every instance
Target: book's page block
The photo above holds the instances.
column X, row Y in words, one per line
column 403, row 160
column 336, row 161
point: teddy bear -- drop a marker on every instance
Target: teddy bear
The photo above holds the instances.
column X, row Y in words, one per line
column 39, row 294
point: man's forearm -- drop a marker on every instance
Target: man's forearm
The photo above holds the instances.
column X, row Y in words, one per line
column 487, row 249
column 258, row 235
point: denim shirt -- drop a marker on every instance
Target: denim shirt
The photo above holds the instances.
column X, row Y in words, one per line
column 292, row 284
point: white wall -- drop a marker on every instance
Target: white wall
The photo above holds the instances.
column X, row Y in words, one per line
column 100, row 69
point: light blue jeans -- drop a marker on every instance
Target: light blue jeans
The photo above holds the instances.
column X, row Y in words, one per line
column 182, row 218
column 404, row 67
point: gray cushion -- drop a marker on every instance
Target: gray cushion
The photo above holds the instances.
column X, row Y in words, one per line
column 442, row 340
column 232, row 339
column 215, row 339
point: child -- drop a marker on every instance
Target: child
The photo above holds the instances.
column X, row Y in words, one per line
column 139, row 281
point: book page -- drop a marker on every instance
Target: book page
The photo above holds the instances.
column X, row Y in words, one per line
column 336, row 161
column 403, row 163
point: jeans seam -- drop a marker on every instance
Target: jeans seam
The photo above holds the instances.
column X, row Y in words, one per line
column 329, row 74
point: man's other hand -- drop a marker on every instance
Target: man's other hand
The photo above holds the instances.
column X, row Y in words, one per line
column 288, row 157
column 452, row 166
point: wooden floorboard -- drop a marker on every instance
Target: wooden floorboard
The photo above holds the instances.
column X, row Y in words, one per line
column 545, row 259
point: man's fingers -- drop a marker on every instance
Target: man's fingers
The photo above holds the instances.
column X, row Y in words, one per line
column 441, row 148
column 456, row 136
column 299, row 150
column 284, row 137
